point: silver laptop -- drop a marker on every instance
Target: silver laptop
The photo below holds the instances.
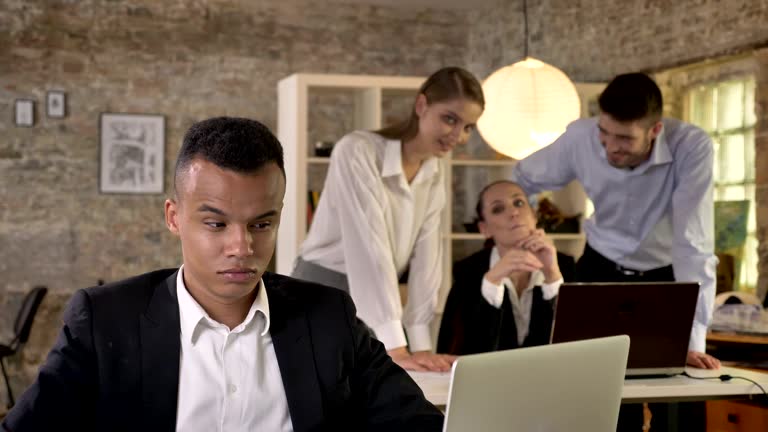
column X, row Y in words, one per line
column 657, row 316
column 574, row 386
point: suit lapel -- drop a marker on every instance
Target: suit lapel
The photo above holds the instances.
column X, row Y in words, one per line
column 293, row 346
column 160, row 350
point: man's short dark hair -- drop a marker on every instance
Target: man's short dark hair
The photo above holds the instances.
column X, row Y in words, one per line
column 630, row 97
column 237, row 144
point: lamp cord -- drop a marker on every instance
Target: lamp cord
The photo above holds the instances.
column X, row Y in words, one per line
column 726, row 377
column 525, row 27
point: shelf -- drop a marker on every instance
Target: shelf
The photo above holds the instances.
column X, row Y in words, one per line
column 363, row 82
column 481, row 162
column 478, row 236
column 454, row 162
column 319, row 160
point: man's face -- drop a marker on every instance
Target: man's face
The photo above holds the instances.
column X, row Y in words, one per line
column 627, row 144
column 227, row 222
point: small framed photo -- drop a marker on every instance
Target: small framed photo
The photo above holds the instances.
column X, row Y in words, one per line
column 132, row 153
column 56, row 104
column 24, row 112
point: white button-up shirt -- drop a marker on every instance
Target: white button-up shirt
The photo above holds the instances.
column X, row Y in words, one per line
column 521, row 305
column 370, row 224
column 657, row 214
column 229, row 379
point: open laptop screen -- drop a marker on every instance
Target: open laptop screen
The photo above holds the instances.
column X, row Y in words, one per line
column 564, row 387
column 657, row 317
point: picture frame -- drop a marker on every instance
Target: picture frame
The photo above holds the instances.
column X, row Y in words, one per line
column 24, row 112
column 132, row 153
column 56, row 104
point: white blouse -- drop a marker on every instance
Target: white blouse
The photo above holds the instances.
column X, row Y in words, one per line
column 372, row 225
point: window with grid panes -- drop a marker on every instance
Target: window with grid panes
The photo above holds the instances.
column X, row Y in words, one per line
column 726, row 111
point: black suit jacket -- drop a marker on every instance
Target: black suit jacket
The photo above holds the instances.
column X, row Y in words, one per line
column 115, row 365
column 471, row 325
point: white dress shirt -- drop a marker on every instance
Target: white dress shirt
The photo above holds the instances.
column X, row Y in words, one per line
column 521, row 306
column 370, row 224
column 657, row 214
column 229, row 380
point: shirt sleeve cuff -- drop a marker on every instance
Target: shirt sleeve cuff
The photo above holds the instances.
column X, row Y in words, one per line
column 419, row 338
column 492, row 293
column 550, row 290
column 698, row 338
column 391, row 334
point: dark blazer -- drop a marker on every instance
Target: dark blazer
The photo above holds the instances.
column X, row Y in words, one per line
column 115, row 365
column 471, row 325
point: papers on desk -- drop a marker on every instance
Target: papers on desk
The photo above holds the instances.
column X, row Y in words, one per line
column 740, row 318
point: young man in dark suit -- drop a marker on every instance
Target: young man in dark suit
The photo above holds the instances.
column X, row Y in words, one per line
column 219, row 344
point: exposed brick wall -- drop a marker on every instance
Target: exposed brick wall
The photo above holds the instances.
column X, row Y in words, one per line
column 184, row 59
column 593, row 40
column 495, row 34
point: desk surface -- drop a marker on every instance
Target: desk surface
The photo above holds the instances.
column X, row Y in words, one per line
column 737, row 338
column 670, row 389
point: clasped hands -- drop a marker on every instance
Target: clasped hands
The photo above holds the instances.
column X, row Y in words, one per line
column 532, row 252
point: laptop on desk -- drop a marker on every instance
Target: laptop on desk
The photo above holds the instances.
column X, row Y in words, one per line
column 657, row 317
column 573, row 386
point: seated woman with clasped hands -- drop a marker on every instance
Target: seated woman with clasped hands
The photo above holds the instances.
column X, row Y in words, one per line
column 503, row 296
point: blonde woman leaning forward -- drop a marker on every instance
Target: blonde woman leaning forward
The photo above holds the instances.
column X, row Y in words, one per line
column 379, row 214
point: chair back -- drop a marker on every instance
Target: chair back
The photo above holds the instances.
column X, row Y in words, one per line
column 26, row 316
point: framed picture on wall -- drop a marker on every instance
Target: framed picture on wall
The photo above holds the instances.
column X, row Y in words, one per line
column 132, row 153
column 24, row 112
column 55, row 102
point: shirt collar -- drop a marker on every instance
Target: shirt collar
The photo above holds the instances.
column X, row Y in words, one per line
column 191, row 314
column 393, row 159
column 536, row 279
column 393, row 162
column 660, row 153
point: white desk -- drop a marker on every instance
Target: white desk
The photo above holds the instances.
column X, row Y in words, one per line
column 671, row 389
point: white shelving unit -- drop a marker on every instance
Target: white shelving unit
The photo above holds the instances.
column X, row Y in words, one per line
column 293, row 132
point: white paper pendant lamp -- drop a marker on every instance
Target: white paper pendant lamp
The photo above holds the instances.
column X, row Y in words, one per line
column 527, row 106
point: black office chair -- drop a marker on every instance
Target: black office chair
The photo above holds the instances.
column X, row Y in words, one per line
column 21, row 329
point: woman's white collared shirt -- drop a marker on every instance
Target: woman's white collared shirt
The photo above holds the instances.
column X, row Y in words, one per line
column 371, row 224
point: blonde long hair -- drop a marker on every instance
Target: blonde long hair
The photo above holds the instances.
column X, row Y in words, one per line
column 446, row 84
